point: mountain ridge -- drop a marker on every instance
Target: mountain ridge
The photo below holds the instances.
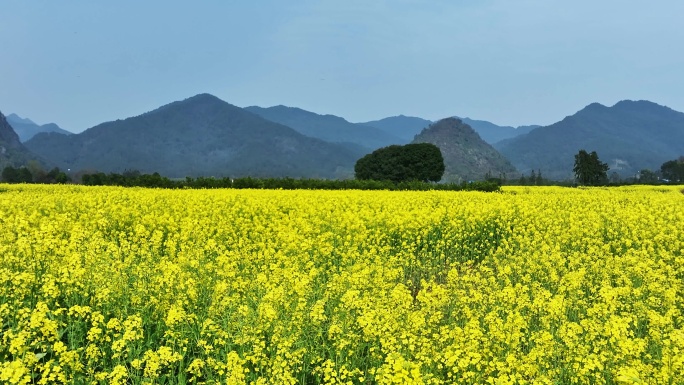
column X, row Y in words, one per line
column 405, row 127
column 330, row 128
column 629, row 136
column 492, row 133
column 198, row 136
column 27, row 128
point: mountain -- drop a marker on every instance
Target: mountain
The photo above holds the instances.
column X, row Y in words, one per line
column 466, row 155
column 12, row 152
column 327, row 127
column 405, row 127
column 629, row 136
column 26, row 128
column 492, row 133
column 199, row 136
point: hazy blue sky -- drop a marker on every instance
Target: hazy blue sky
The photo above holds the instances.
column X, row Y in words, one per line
column 513, row 62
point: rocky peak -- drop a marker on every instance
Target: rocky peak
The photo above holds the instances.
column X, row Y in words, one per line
column 8, row 138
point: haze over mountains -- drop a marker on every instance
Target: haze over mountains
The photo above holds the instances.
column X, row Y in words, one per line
column 629, row 136
column 492, row 133
column 405, row 127
column 374, row 134
column 12, row 152
column 328, row 127
column 205, row 136
column 26, row 128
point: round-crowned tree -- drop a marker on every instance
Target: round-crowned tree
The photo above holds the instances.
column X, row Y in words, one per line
column 420, row 161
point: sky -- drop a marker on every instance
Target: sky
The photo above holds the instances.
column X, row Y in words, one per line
column 80, row 63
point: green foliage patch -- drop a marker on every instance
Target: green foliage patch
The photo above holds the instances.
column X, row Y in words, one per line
column 419, row 161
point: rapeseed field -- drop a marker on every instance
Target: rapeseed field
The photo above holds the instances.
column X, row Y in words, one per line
column 528, row 286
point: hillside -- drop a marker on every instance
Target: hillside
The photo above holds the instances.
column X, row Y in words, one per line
column 405, row 127
column 26, row 128
column 466, row 155
column 629, row 136
column 12, row 152
column 327, row 127
column 199, row 136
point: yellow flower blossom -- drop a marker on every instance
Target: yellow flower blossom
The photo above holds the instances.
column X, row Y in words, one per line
column 534, row 285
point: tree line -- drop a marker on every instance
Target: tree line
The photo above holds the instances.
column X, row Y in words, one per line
column 157, row 181
column 408, row 167
column 33, row 173
column 134, row 178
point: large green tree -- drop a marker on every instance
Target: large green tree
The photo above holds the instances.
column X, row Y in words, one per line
column 419, row 161
column 589, row 170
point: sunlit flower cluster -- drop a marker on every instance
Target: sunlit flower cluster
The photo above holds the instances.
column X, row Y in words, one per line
column 534, row 285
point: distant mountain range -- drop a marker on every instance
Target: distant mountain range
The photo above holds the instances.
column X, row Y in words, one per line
column 199, row 136
column 492, row 133
column 374, row 134
column 12, row 152
column 26, row 128
column 629, row 136
column 466, row 155
column 205, row 136
column 405, row 127
column 328, row 127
